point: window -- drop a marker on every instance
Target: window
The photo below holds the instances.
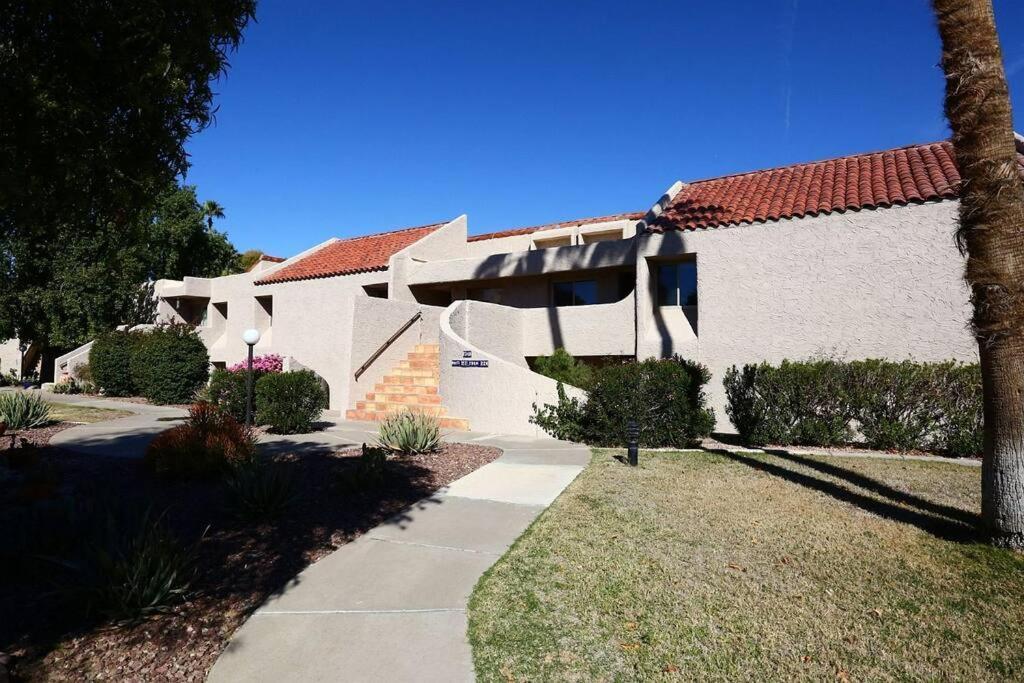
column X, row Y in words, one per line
column 550, row 242
column 677, row 284
column 607, row 236
column 579, row 293
column 263, row 313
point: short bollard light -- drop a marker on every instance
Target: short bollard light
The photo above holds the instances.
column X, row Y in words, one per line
column 251, row 337
column 633, row 441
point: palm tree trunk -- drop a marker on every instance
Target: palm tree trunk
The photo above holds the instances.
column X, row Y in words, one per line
column 992, row 234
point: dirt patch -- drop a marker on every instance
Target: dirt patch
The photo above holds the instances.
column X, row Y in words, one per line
column 239, row 564
column 40, row 436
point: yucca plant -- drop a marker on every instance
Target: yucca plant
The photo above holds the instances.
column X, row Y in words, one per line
column 23, row 410
column 409, row 433
column 126, row 565
column 260, row 491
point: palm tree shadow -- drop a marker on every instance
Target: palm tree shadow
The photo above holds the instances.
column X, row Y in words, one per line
column 942, row 521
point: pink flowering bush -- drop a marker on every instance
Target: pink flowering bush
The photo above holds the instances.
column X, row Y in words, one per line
column 261, row 365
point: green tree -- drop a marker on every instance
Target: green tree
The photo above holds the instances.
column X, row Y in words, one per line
column 991, row 235
column 211, row 210
column 97, row 99
column 182, row 241
column 249, row 258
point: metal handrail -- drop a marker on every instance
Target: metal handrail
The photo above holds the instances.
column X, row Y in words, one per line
column 391, row 340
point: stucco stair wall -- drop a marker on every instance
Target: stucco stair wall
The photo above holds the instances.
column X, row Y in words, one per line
column 410, row 385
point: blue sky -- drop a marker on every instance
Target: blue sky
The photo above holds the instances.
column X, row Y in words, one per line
column 344, row 118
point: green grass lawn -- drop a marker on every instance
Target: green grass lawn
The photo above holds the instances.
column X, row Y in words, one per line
column 714, row 566
column 69, row 412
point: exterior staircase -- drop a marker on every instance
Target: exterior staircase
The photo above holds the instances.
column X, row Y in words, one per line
column 412, row 385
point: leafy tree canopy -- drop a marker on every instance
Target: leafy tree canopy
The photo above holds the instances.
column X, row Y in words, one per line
column 97, row 99
column 182, row 240
column 248, row 258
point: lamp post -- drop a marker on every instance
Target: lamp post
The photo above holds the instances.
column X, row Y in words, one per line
column 251, row 337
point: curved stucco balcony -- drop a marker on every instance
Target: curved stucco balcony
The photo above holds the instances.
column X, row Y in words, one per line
column 580, row 257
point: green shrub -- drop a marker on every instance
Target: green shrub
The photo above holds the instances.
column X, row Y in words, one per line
column 665, row 397
column 67, row 387
column 209, row 444
column 170, row 364
column 110, row 362
column 23, row 410
column 260, row 491
column 370, row 471
column 896, row 405
column 795, row 403
column 409, row 433
column 563, row 367
column 960, row 432
column 226, row 390
column 126, row 566
column 289, row 402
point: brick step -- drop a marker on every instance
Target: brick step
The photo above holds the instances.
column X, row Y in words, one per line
column 419, row 365
column 408, row 399
column 428, row 348
column 416, row 381
column 419, row 355
column 377, row 416
column 388, row 407
column 388, row 388
column 415, row 373
column 385, row 408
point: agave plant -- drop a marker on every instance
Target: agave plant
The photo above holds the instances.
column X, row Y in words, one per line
column 409, row 433
column 23, row 410
column 260, row 491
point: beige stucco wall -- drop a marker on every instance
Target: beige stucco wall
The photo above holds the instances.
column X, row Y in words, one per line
column 10, row 356
column 870, row 283
column 373, row 323
column 601, row 330
column 499, row 397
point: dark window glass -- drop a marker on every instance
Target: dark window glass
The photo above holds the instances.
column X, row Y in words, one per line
column 677, row 284
column 584, row 293
column 581, row 293
column 667, row 288
column 688, row 283
column 562, row 293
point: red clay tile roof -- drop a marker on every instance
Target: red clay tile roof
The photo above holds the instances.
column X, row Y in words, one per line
column 635, row 216
column 918, row 173
column 348, row 256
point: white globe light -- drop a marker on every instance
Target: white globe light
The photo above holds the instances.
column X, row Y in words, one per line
column 251, row 337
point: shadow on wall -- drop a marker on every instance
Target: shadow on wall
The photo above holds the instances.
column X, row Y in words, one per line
column 672, row 244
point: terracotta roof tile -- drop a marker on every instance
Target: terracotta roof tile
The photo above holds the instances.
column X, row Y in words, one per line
column 634, row 216
column 348, row 256
column 892, row 178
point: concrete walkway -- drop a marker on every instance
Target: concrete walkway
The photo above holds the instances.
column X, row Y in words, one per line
column 123, row 437
column 391, row 605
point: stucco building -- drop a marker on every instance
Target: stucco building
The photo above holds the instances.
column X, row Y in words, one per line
column 851, row 257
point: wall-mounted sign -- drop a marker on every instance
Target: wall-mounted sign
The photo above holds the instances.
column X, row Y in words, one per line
column 467, row 361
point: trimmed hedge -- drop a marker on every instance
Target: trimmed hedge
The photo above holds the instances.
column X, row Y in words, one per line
column 226, row 390
column 289, row 402
column 563, row 367
column 894, row 405
column 170, row 364
column 110, row 362
column 665, row 397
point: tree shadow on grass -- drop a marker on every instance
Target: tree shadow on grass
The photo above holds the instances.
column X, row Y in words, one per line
column 943, row 521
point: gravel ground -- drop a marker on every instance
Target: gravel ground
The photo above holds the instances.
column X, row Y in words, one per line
column 239, row 564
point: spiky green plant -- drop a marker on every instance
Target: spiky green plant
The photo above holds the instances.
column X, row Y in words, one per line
column 23, row 410
column 409, row 433
column 260, row 491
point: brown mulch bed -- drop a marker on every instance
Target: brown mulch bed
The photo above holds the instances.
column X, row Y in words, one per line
column 40, row 436
column 238, row 565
